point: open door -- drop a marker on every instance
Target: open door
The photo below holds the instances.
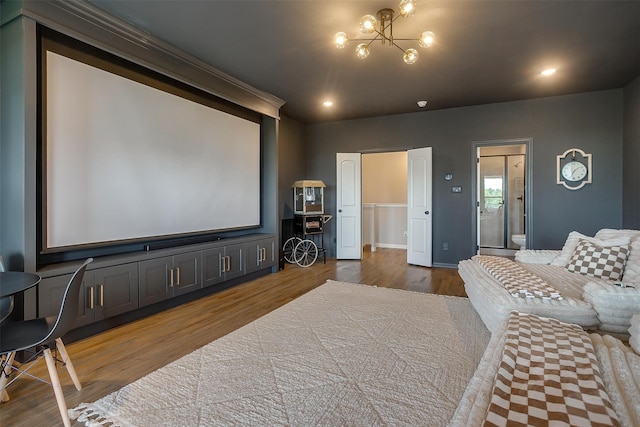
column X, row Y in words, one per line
column 348, row 206
column 419, row 207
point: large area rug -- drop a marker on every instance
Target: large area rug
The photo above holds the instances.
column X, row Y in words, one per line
column 342, row 354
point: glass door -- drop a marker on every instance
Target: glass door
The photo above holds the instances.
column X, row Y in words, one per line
column 515, row 198
column 492, row 190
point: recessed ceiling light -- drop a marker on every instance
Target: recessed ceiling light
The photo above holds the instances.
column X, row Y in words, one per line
column 548, row 71
column 328, row 103
column 422, row 104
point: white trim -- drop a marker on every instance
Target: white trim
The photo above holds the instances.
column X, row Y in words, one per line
column 390, row 246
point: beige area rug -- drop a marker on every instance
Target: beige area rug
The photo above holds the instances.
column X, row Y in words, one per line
column 342, row 354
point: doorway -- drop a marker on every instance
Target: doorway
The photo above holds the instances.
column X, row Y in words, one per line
column 412, row 207
column 502, row 194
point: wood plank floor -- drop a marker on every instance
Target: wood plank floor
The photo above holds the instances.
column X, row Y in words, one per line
column 108, row 361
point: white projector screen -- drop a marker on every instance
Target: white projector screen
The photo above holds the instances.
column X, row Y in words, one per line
column 127, row 161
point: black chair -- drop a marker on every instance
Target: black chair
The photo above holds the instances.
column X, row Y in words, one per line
column 43, row 334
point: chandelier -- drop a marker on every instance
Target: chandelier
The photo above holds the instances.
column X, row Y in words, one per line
column 381, row 28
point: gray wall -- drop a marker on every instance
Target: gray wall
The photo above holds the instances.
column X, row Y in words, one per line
column 589, row 121
column 17, row 139
column 631, row 156
column 18, row 101
column 291, row 158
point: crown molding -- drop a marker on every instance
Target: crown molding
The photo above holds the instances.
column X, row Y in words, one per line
column 94, row 26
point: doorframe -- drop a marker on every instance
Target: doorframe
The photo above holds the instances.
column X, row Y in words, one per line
column 475, row 197
column 362, row 153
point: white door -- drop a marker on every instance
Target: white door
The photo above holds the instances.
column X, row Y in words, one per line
column 419, row 207
column 348, row 206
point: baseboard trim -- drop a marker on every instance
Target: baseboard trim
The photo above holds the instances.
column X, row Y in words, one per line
column 445, row 265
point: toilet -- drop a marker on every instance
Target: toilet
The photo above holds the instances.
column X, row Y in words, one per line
column 520, row 240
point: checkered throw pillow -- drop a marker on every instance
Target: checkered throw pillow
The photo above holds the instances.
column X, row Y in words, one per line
column 603, row 262
column 548, row 375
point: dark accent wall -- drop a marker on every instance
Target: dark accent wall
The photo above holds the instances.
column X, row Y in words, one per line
column 589, row 121
column 631, row 156
column 291, row 161
column 19, row 103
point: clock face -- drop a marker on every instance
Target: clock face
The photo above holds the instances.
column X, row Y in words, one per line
column 574, row 171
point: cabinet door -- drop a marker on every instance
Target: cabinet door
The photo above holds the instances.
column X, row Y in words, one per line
column 260, row 254
column 253, row 256
column 186, row 273
column 212, row 260
column 50, row 293
column 154, row 280
column 235, row 261
column 115, row 290
column 270, row 255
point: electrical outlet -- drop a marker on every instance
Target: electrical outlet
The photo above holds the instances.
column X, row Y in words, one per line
column 445, row 246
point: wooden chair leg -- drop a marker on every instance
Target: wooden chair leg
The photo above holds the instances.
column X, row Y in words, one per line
column 67, row 361
column 57, row 387
column 4, row 396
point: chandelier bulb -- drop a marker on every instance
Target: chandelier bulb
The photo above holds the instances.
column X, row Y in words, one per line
column 341, row 40
column 368, row 24
column 410, row 56
column 407, row 7
column 426, row 39
column 362, row 51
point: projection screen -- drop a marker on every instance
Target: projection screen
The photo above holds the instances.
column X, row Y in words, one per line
column 128, row 161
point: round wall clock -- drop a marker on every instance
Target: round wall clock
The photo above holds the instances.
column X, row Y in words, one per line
column 574, row 169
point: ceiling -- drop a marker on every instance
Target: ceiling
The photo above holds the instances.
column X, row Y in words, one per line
column 486, row 51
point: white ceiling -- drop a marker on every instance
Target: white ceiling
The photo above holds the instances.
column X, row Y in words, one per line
column 486, row 51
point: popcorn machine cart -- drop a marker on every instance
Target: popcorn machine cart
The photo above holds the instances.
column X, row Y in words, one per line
column 309, row 220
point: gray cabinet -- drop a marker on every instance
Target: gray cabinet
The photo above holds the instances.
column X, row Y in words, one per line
column 223, row 263
column 260, row 254
column 105, row 292
column 123, row 283
column 166, row 277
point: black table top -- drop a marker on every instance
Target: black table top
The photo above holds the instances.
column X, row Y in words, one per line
column 13, row 282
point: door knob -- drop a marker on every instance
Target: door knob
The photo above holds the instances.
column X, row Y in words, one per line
column 426, row 212
column 339, row 210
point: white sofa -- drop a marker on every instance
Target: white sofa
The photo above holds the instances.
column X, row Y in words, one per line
column 598, row 300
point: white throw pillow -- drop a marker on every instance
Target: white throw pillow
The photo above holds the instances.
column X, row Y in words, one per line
column 572, row 241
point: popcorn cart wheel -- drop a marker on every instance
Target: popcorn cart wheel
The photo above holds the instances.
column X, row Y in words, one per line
column 305, row 253
column 301, row 252
column 289, row 249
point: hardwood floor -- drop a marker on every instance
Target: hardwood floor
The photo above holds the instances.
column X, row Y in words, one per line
column 110, row 360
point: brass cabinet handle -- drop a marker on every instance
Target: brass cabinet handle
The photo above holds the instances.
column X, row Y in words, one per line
column 91, row 297
column 178, row 276
column 101, row 303
column 171, row 278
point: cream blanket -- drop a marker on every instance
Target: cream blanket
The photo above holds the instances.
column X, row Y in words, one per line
column 342, row 354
